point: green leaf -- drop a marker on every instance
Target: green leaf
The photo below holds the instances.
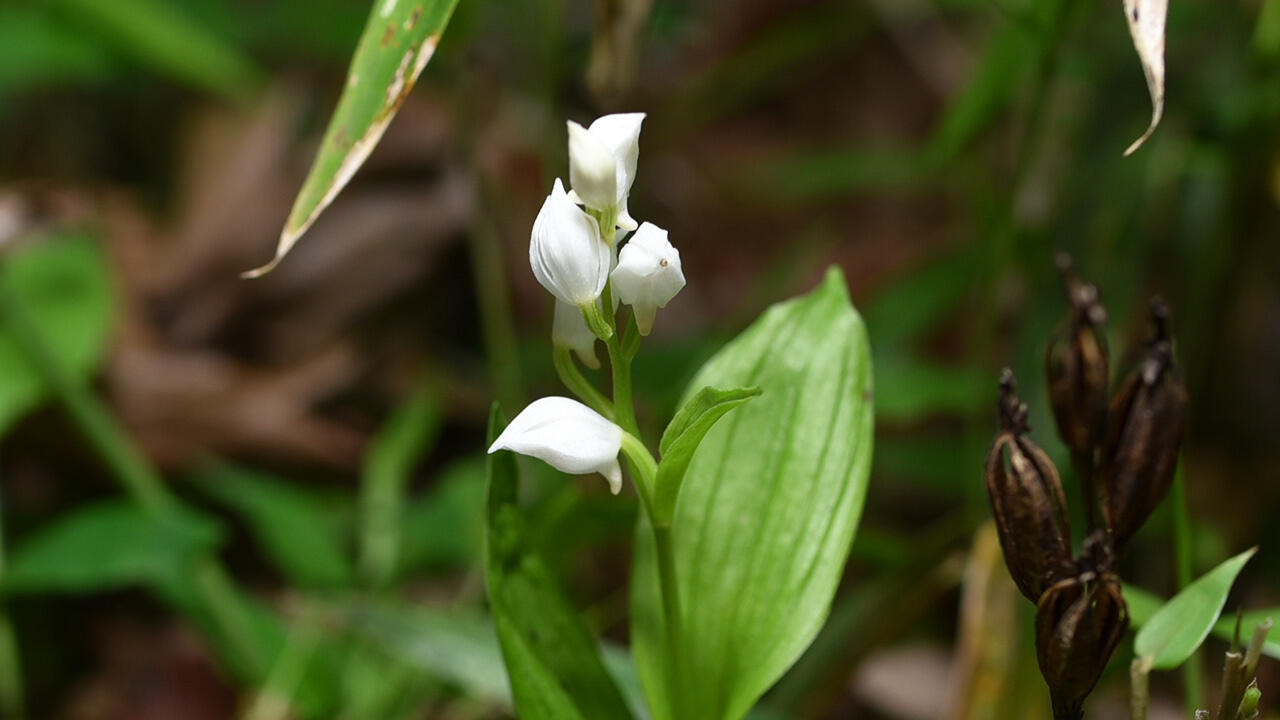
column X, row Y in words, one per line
column 159, row 35
column 388, row 465
column 456, row 646
column 681, row 438
column 444, row 529
column 304, row 533
column 107, row 546
column 35, row 51
column 249, row 636
column 398, row 40
column 1177, row 629
column 1142, row 605
column 768, row 508
column 552, row 659
column 461, row 648
column 63, row 283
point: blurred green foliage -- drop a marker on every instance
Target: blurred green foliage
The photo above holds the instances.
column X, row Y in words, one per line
column 1020, row 157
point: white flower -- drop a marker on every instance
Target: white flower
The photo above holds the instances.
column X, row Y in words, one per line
column 593, row 170
column 567, row 435
column 619, row 136
column 569, row 329
column 648, row 274
column 567, row 254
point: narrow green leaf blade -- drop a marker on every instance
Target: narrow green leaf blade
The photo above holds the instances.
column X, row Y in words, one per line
column 456, row 646
column 1178, row 628
column 691, row 423
column 400, row 443
column 768, row 508
column 551, row 657
column 107, row 546
column 398, row 40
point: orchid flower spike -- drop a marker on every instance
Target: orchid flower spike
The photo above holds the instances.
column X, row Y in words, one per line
column 602, row 163
column 568, row 256
column 568, row 436
column 569, row 329
column 648, row 274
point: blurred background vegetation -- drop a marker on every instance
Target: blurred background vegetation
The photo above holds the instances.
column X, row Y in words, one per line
column 264, row 499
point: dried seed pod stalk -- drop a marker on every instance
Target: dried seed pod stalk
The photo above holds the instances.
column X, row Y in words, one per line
column 1077, row 371
column 1145, row 426
column 1079, row 623
column 1027, row 502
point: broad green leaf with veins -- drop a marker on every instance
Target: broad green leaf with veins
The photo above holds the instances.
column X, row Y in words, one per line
column 767, row 510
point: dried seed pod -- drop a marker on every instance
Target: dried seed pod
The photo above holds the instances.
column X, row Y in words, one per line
column 1027, row 502
column 1079, row 623
column 1076, row 368
column 1145, row 426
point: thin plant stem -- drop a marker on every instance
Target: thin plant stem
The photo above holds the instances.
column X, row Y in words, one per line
column 619, row 362
column 578, row 384
column 1193, row 668
column 273, row 701
column 1139, row 688
column 12, row 703
column 488, row 273
column 127, row 463
column 645, row 469
column 221, row 600
column 671, row 611
column 130, row 467
column 631, row 337
column 624, row 410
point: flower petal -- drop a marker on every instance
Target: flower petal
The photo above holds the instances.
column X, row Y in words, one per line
column 566, row 252
column 620, row 133
column 648, row 274
column 567, row 435
column 569, row 329
column 593, row 168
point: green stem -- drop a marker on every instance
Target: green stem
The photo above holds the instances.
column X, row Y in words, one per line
column 1139, row 688
column 623, row 409
column 488, row 271
column 273, row 701
column 127, row 464
column 1193, row 669
column 631, row 338
column 12, row 704
column 224, row 605
column 578, row 384
column 643, row 468
column 671, row 610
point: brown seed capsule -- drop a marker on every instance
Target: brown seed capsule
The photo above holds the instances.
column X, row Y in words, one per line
column 1027, row 502
column 1076, row 367
column 1145, row 425
column 1079, row 623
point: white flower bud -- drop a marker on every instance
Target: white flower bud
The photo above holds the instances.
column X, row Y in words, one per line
column 619, row 135
column 593, row 169
column 569, row 329
column 568, row 436
column 648, row 274
column 566, row 252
